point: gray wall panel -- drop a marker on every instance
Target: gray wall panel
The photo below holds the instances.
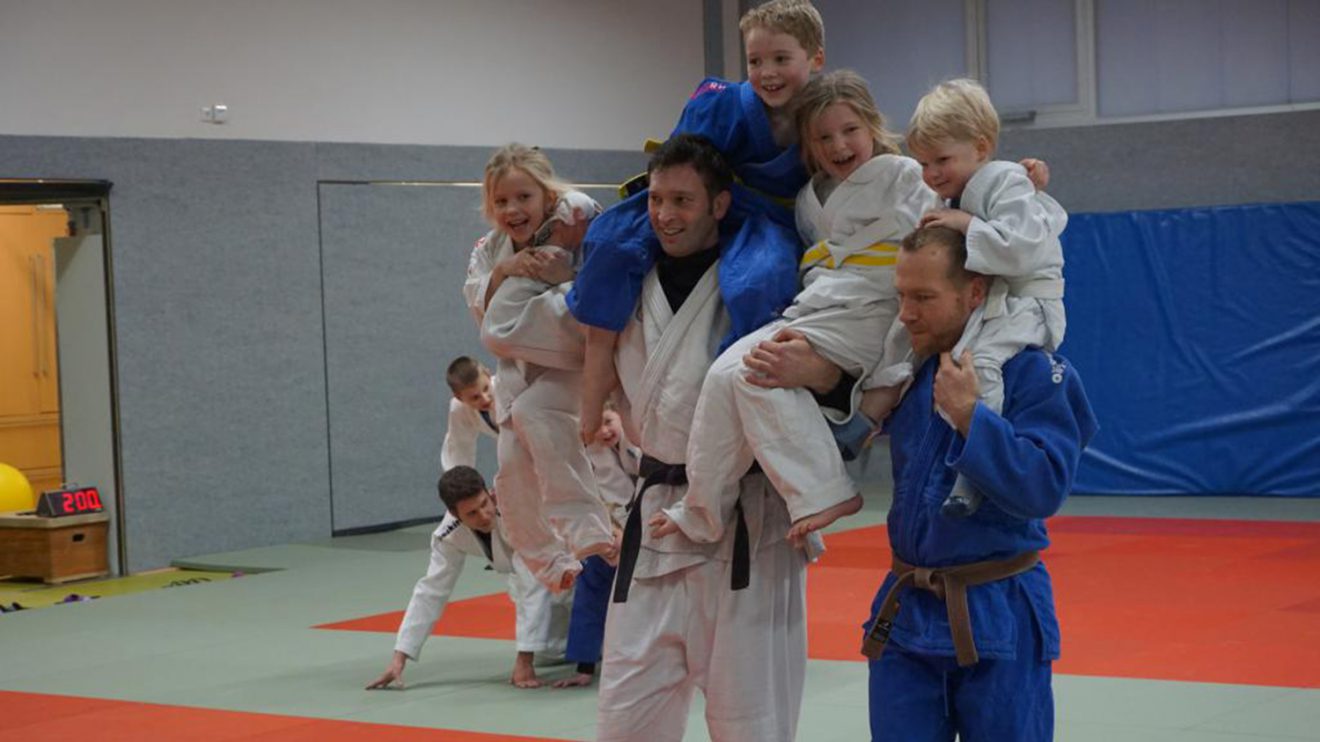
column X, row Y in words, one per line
column 218, row 334
column 394, row 260
column 1272, row 158
column 357, row 162
column 395, row 317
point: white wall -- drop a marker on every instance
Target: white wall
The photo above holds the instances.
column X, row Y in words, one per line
column 588, row 74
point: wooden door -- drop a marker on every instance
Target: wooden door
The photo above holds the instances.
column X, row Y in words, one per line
column 29, row 378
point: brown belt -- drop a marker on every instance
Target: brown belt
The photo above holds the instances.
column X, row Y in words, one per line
column 949, row 583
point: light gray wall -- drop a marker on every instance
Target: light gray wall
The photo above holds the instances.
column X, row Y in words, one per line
column 220, row 327
column 440, row 72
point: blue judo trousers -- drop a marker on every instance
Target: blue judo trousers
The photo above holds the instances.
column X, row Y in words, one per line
column 591, row 599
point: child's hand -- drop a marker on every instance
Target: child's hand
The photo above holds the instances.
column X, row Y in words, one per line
column 951, row 218
column 797, row 533
column 552, row 266
column 522, row 264
column 1037, row 171
column 662, row 525
column 589, row 425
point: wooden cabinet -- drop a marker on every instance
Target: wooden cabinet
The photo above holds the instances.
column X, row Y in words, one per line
column 29, row 374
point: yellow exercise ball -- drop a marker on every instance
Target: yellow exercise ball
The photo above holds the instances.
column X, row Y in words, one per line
column 15, row 490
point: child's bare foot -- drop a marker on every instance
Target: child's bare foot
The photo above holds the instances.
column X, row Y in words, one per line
column 524, row 675
column 802, row 526
column 566, row 581
column 577, row 680
column 879, row 402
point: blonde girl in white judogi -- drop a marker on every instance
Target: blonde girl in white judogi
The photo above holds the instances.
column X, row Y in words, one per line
column 548, row 495
column 861, row 201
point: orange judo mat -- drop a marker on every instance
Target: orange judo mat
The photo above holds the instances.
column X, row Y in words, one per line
column 1170, row 599
column 53, row 718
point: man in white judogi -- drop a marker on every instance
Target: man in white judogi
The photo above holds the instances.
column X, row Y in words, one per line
column 472, row 527
column 676, row 625
column 845, row 308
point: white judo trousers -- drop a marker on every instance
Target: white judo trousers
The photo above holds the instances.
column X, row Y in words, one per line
column 682, row 628
column 846, row 309
column 548, row 495
column 538, row 400
column 1013, row 236
column 745, row 650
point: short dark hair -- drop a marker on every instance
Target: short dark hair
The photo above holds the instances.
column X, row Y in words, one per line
column 697, row 151
column 458, row 484
column 463, row 373
column 954, row 243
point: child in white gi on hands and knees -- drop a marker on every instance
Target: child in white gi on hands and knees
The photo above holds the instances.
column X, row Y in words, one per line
column 1012, row 235
column 520, row 270
column 863, row 197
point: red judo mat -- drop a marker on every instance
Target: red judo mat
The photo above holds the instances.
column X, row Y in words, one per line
column 53, row 718
column 1169, row 599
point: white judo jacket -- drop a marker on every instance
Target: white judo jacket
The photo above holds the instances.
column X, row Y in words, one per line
column 451, row 544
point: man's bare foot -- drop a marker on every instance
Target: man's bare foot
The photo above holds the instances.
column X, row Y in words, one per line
column 577, row 680
column 524, row 675
column 816, row 521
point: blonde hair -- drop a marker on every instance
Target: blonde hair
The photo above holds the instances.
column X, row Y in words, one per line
column 849, row 88
column 954, row 111
column 797, row 18
column 530, row 160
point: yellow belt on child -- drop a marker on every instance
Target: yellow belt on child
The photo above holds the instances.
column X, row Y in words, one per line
column 877, row 254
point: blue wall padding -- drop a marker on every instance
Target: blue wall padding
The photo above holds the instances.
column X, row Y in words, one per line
column 1197, row 334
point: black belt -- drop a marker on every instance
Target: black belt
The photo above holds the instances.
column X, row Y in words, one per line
column 654, row 471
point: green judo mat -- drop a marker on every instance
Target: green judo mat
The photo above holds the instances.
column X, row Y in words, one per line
column 31, row 594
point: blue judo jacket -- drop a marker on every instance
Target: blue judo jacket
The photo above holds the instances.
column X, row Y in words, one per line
column 1023, row 462
column 758, row 265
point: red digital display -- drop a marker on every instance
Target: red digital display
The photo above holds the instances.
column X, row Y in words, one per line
column 69, row 502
